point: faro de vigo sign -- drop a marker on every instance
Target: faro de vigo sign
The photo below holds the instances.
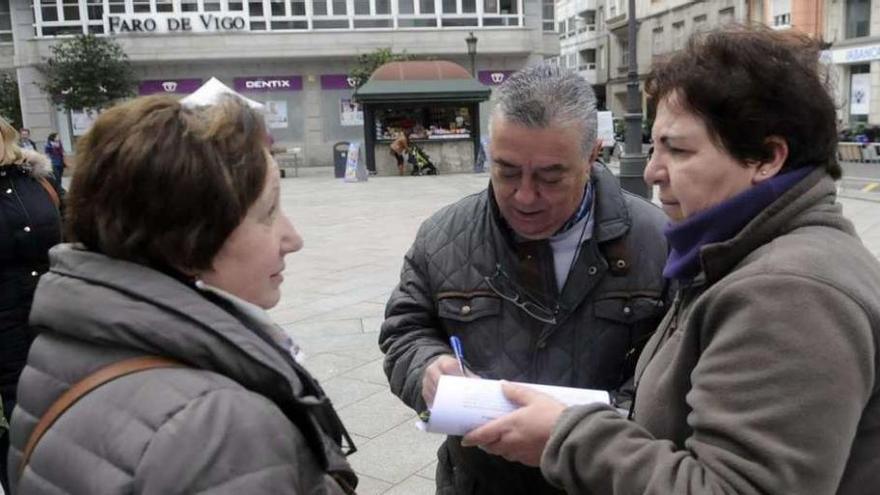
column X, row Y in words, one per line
column 176, row 23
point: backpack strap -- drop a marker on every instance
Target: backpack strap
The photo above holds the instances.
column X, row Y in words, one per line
column 53, row 194
column 82, row 388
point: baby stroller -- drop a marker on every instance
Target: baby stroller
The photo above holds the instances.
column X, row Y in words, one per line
column 420, row 161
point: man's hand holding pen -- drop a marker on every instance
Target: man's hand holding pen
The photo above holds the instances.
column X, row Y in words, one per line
column 446, row 364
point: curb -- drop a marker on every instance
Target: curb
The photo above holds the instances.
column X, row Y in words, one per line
column 863, row 196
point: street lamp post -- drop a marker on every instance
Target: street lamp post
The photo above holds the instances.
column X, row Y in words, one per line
column 632, row 163
column 471, row 41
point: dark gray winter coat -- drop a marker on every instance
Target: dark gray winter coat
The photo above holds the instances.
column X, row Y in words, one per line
column 241, row 420
column 608, row 308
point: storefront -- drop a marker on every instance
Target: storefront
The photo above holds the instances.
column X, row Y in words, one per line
column 857, row 67
column 435, row 104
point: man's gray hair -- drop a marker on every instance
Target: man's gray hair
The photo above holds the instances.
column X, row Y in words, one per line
column 544, row 95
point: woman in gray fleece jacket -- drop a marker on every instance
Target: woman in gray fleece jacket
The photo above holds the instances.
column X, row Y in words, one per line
column 764, row 377
column 178, row 249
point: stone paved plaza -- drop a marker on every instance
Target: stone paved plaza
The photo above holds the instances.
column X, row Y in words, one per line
column 334, row 296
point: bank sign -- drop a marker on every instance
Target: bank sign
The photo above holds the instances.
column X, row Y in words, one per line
column 208, row 22
column 855, row 55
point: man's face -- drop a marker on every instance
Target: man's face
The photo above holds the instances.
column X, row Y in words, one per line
column 25, row 133
column 538, row 175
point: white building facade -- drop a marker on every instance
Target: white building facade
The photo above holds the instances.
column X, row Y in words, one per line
column 853, row 29
column 293, row 55
column 583, row 41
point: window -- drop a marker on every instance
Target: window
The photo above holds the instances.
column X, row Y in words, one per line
column 589, row 17
column 624, row 54
column 276, row 7
column 297, row 7
column 781, row 11
column 548, row 14
column 699, row 23
column 726, row 16
column 677, row 35
column 858, row 18
column 5, row 22
column 70, row 9
column 657, row 46
column 588, row 59
column 95, row 10
column 255, row 8
column 49, row 10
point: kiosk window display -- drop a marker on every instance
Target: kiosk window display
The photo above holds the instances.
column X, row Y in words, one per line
column 434, row 104
column 424, row 122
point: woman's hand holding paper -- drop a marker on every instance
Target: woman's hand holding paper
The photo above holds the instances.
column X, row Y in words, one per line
column 521, row 435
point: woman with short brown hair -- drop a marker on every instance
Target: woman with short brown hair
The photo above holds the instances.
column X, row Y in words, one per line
column 178, row 247
column 764, row 376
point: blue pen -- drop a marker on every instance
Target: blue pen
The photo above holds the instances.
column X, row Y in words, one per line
column 459, row 353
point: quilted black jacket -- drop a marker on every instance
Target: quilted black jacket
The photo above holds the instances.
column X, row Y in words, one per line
column 609, row 306
column 29, row 226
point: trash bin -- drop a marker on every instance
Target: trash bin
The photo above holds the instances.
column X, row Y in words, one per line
column 340, row 156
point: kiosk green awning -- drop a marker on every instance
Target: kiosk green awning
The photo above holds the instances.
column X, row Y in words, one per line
column 421, row 81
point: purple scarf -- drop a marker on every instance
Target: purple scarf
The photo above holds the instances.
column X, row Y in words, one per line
column 721, row 222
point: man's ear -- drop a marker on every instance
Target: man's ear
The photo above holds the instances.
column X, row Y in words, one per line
column 597, row 147
column 778, row 148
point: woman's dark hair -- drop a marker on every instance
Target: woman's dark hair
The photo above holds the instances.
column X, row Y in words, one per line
column 748, row 83
column 52, row 136
column 164, row 185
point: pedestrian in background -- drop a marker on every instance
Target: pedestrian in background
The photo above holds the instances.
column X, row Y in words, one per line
column 178, row 247
column 24, row 141
column 764, row 377
column 399, row 147
column 55, row 151
column 29, row 226
column 550, row 275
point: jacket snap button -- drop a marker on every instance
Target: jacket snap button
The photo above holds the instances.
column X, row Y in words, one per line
column 627, row 310
column 34, row 274
column 592, row 270
column 465, row 309
column 621, row 264
column 542, row 345
column 9, row 191
column 27, row 229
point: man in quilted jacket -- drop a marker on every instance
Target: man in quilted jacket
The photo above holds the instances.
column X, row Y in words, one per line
column 551, row 275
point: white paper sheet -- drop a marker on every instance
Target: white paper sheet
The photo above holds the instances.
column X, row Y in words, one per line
column 462, row 404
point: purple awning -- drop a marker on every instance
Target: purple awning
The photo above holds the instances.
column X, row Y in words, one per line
column 269, row 83
column 168, row 86
column 493, row 77
column 336, row 81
